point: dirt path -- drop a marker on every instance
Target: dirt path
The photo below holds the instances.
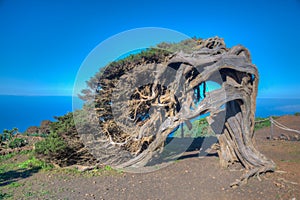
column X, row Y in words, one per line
column 190, row 178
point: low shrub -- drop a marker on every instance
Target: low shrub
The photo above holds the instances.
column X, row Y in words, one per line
column 17, row 142
column 261, row 123
column 7, row 156
column 52, row 146
column 43, row 135
column 35, row 163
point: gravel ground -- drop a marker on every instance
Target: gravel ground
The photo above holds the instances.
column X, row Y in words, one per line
column 189, row 178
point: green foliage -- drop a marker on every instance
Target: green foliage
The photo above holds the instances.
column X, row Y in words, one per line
column 35, row 163
column 200, row 129
column 108, row 168
column 15, row 185
column 26, row 152
column 12, row 165
column 11, row 155
column 53, row 145
column 297, row 114
column 43, row 135
column 5, row 195
column 13, row 170
column 119, row 67
column 72, row 171
column 64, row 124
column 63, row 145
column 7, row 156
column 186, row 46
column 17, row 142
column 105, row 169
column 261, row 123
column 8, row 134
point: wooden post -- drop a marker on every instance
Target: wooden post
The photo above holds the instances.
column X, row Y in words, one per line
column 271, row 127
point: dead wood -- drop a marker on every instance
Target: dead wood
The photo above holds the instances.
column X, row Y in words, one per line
column 138, row 104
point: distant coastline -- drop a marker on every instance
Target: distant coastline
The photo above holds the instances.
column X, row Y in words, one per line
column 25, row 111
column 276, row 107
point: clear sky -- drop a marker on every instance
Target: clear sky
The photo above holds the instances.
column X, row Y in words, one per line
column 43, row 43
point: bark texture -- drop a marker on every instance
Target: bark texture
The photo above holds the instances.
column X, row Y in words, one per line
column 138, row 104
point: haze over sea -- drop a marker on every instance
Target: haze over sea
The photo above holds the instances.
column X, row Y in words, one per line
column 25, row 111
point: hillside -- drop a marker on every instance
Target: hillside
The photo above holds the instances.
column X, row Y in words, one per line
column 189, row 178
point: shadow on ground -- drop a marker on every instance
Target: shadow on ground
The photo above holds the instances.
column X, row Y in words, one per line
column 183, row 148
column 11, row 176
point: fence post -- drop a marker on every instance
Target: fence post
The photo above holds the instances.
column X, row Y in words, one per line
column 271, row 131
column 182, row 131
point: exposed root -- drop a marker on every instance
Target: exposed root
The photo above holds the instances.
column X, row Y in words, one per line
column 253, row 172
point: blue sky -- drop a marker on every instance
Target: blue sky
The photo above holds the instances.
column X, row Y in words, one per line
column 44, row 43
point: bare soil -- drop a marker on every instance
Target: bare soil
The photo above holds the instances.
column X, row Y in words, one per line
column 190, row 178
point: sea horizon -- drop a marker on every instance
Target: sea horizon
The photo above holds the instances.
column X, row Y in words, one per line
column 23, row 111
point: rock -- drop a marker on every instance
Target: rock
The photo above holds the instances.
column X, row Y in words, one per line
column 32, row 130
column 284, row 137
column 45, row 127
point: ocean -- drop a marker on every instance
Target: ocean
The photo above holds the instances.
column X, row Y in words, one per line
column 25, row 111
column 266, row 107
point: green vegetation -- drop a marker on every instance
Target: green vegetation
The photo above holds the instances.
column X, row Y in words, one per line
column 156, row 53
column 200, row 128
column 63, row 124
column 5, row 195
column 31, row 162
column 186, row 46
column 261, row 123
column 43, row 135
column 57, row 145
column 119, row 67
column 17, row 142
column 63, row 145
column 36, row 194
column 53, row 145
column 35, row 163
column 7, row 156
column 15, row 185
column 12, row 171
column 105, row 170
column 108, row 168
column 7, row 136
column 62, row 140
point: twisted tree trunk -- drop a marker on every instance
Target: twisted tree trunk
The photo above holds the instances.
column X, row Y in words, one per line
column 138, row 104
